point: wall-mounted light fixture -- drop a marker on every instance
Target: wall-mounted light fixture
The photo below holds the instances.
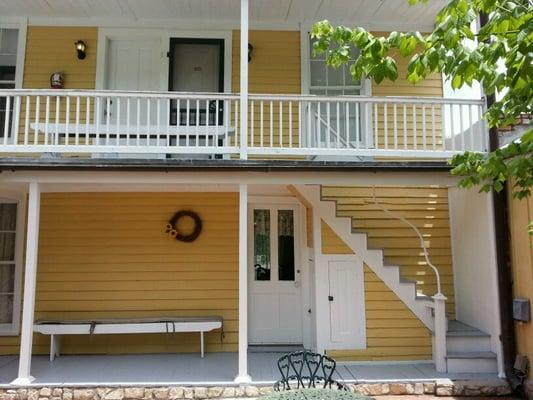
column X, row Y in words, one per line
column 250, row 52
column 80, row 48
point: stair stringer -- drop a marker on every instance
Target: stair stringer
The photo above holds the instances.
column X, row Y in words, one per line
column 373, row 258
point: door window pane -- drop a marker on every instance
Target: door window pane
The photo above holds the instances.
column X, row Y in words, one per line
column 7, row 246
column 286, row 245
column 6, row 308
column 8, row 217
column 262, row 262
column 7, row 278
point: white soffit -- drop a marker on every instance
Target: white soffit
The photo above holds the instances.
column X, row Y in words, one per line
column 393, row 14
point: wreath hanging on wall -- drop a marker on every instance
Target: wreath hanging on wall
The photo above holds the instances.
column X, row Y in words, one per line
column 173, row 231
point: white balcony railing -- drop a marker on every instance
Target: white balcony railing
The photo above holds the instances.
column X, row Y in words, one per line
column 158, row 124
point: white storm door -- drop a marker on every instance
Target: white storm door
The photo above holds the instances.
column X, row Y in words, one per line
column 133, row 65
column 275, row 304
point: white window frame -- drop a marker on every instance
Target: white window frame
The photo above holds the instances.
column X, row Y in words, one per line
column 305, row 73
column 21, row 48
column 305, row 55
column 13, row 328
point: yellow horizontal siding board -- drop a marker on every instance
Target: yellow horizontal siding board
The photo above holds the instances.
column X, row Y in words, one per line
column 106, row 255
column 393, row 331
column 426, row 207
column 51, row 49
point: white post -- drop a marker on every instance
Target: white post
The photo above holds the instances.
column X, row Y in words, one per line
column 30, row 281
column 244, row 79
column 440, row 333
column 243, row 376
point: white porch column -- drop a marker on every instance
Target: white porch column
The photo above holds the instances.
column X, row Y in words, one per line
column 30, row 282
column 243, row 376
column 244, row 79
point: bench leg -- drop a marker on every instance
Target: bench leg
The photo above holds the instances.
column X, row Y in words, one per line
column 54, row 347
column 202, row 344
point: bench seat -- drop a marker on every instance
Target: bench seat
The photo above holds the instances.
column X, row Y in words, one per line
column 125, row 326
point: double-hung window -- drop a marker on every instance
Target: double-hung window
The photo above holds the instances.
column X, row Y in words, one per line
column 8, row 66
column 10, row 272
column 336, row 121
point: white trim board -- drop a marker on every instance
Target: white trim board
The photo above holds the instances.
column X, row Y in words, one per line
column 21, row 25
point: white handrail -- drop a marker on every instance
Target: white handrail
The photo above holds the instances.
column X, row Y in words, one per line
column 422, row 244
column 106, row 121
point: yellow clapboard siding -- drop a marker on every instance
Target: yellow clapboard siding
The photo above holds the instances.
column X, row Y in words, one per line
column 275, row 69
column 520, row 214
column 106, row 255
column 50, row 49
column 430, row 87
column 426, row 207
column 393, row 331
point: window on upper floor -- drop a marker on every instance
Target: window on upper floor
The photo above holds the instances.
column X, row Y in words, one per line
column 332, row 122
column 9, row 268
column 326, row 80
column 8, row 67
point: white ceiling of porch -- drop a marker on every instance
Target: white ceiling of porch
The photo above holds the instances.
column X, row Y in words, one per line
column 281, row 11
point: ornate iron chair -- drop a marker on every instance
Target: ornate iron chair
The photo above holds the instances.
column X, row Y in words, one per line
column 304, row 369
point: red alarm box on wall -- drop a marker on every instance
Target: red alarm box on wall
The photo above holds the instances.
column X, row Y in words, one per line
column 56, row 80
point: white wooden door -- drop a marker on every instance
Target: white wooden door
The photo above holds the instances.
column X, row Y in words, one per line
column 133, row 65
column 275, row 305
column 345, row 278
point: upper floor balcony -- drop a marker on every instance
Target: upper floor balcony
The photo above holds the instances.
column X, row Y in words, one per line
column 232, row 79
column 191, row 125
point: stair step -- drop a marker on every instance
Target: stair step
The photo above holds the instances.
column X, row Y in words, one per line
column 457, row 328
column 471, row 354
column 472, row 362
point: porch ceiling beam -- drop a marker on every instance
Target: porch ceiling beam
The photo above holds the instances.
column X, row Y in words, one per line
column 51, row 180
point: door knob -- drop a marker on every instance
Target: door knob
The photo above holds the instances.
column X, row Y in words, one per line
column 330, row 298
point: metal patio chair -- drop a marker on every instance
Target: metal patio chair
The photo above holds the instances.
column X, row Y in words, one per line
column 305, row 369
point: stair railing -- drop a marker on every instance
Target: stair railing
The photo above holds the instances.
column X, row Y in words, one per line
column 439, row 300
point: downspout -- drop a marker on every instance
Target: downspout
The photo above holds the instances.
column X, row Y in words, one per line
column 505, row 279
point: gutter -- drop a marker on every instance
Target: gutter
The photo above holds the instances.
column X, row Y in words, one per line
column 503, row 260
column 167, row 165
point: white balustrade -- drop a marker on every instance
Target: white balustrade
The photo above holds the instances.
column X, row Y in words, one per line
column 162, row 123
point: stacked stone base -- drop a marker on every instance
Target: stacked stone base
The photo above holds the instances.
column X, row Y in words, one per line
column 441, row 387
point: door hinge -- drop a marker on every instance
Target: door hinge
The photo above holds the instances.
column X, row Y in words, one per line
column 168, row 54
column 330, row 298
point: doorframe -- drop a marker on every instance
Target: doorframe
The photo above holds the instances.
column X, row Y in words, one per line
column 186, row 40
column 301, row 261
column 107, row 34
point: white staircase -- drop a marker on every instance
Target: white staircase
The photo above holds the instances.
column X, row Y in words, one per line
column 468, row 349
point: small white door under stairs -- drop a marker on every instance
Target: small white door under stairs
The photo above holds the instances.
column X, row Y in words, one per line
column 346, row 302
column 275, row 302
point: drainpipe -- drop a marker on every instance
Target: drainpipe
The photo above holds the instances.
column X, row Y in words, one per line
column 505, row 279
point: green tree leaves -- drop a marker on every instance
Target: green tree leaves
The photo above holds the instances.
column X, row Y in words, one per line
column 499, row 57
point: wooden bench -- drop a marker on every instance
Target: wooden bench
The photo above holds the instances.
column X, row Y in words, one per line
column 125, row 326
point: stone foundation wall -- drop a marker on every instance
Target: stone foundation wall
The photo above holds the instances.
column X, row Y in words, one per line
column 441, row 387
